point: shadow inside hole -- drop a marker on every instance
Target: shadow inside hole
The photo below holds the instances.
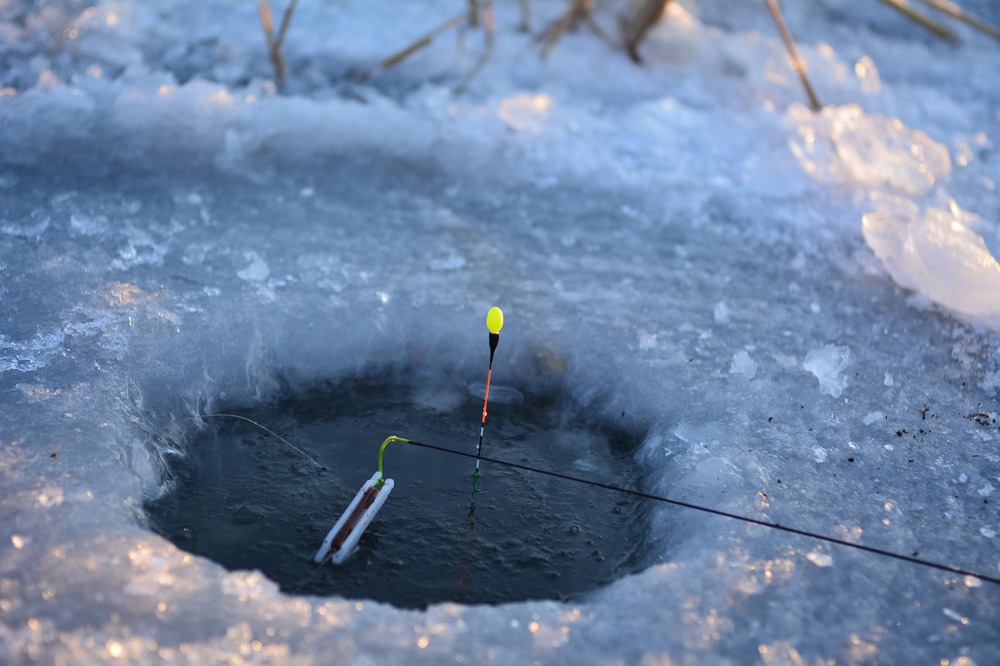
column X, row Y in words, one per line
column 248, row 501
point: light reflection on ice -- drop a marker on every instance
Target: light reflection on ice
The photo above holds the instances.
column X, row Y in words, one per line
column 525, row 112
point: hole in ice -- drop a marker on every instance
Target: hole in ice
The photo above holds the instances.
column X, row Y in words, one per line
column 248, row 501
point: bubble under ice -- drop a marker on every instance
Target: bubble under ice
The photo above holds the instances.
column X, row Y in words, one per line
column 671, row 244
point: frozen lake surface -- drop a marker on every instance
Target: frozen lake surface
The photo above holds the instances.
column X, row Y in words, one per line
column 798, row 312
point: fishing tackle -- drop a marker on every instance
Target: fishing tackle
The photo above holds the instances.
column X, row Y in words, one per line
column 342, row 538
column 346, row 532
column 494, row 322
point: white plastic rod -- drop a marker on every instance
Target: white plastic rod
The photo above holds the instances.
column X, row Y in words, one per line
column 347, row 531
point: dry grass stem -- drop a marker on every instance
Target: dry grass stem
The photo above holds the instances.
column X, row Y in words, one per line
column 525, row 24
column 286, row 18
column 483, row 11
column 419, row 44
column 797, row 64
column 274, row 43
column 634, row 21
column 579, row 11
column 489, row 36
column 956, row 12
column 909, row 12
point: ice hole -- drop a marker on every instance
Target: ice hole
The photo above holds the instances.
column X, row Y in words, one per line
column 246, row 500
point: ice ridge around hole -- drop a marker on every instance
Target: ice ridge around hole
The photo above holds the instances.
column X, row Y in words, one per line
column 794, row 309
column 521, row 535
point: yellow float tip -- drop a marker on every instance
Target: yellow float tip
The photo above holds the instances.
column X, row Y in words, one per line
column 494, row 320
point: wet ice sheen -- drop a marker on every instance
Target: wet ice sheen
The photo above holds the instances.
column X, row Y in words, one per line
column 177, row 237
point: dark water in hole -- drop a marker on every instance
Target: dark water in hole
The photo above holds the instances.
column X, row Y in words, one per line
column 248, row 501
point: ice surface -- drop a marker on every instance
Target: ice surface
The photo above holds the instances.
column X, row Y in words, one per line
column 177, row 238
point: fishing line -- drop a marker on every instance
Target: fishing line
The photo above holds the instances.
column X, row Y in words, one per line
column 280, row 438
column 242, row 418
column 644, row 495
column 718, row 512
column 637, row 493
column 494, row 322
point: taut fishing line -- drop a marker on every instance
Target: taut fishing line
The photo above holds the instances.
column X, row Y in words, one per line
column 344, row 535
column 717, row 512
column 200, row 417
column 666, row 500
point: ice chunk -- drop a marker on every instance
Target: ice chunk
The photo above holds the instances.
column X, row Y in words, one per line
column 25, row 230
column 867, row 74
column 647, row 341
column 880, row 150
column 525, row 112
column 844, row 144
column 29, row 355
column 743, row 365
column 820, row 559
column 721, row 313
column 88, row 225
column 828, row 363
column 935, row 252
column 256, row 271
column 954, row 615
column 872, row 417
column 450, row 263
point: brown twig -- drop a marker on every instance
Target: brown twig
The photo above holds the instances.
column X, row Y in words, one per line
column 956, row 12
column 937, row 28
column 797, row 64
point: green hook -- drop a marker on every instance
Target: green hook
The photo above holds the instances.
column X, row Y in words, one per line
column 389, row 440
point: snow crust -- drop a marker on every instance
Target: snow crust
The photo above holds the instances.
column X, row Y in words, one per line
column 798, row 311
